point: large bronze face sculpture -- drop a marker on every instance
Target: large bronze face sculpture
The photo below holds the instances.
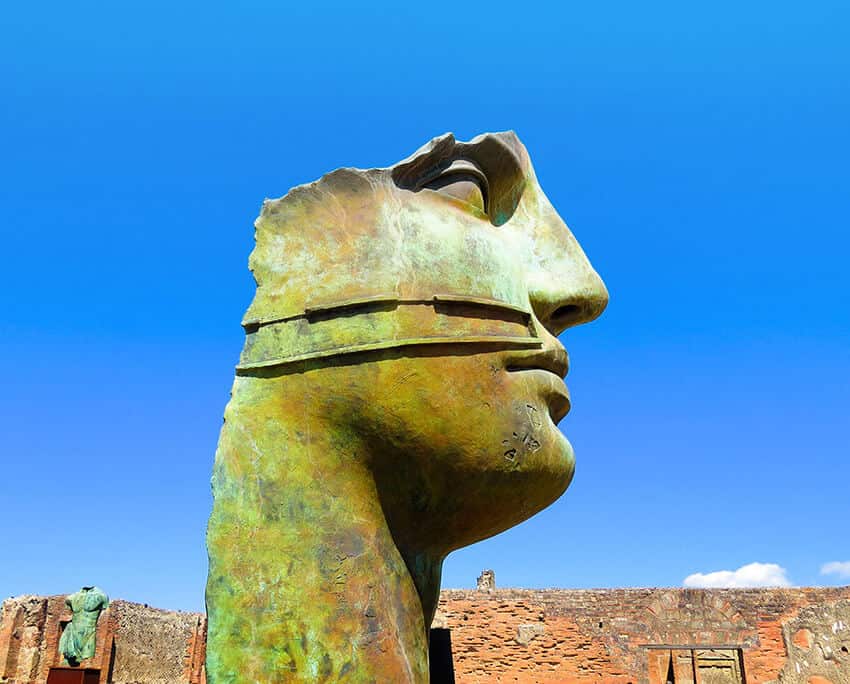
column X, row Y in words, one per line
column 397, row 398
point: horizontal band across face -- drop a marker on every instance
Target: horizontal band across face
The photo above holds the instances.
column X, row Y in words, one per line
column 384, row 323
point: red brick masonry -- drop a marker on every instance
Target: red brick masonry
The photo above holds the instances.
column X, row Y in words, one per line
column 618, row 636
column 615, row 636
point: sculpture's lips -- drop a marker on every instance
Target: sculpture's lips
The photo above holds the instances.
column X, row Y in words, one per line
column 553, row 359
column 549, row 362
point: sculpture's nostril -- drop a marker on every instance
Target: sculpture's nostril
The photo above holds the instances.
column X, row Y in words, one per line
column 566, row 313
column 580, row 309
column 567, row 316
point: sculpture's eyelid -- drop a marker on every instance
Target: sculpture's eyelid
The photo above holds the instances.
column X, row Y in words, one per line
column 458, row 171
column 459, row 167
column 498, row 158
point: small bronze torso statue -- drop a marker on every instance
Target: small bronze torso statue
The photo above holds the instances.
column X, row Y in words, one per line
column 77, row 642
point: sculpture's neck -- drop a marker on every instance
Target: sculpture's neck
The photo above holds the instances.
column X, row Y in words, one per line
column 304, row 574
column 426, row 571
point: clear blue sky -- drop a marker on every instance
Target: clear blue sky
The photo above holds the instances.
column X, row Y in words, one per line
column 699, row 152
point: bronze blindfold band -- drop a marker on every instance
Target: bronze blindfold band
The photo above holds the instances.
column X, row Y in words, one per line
column 385, row 322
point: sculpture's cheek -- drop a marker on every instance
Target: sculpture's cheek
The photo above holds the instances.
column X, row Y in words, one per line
column 462, row 449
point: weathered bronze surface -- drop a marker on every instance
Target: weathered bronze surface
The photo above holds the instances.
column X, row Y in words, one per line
column 77, row 642
column 397, row 398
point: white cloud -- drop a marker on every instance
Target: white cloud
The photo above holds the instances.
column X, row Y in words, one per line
column 752, row 575
column 842, row 569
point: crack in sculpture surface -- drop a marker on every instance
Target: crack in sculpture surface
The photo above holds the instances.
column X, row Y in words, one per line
column 397, row 398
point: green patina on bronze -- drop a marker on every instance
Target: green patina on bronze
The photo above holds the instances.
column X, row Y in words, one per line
column 78, row 642
column 397, row 398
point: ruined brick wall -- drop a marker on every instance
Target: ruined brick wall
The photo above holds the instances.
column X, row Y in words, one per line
column 619, row 636
column 613, row 636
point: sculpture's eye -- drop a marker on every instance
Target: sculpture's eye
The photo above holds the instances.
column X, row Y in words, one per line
column 464, row 181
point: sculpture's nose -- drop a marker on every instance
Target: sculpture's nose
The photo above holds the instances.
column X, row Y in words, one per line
column 567, row 293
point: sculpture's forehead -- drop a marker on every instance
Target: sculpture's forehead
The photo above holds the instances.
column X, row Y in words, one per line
column 358, row 234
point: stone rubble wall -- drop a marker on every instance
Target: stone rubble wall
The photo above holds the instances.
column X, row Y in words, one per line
column 818, row 641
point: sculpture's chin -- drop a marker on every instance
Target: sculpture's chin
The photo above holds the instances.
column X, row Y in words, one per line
column 491, row 501
column 541, row 480
column 566, row 461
